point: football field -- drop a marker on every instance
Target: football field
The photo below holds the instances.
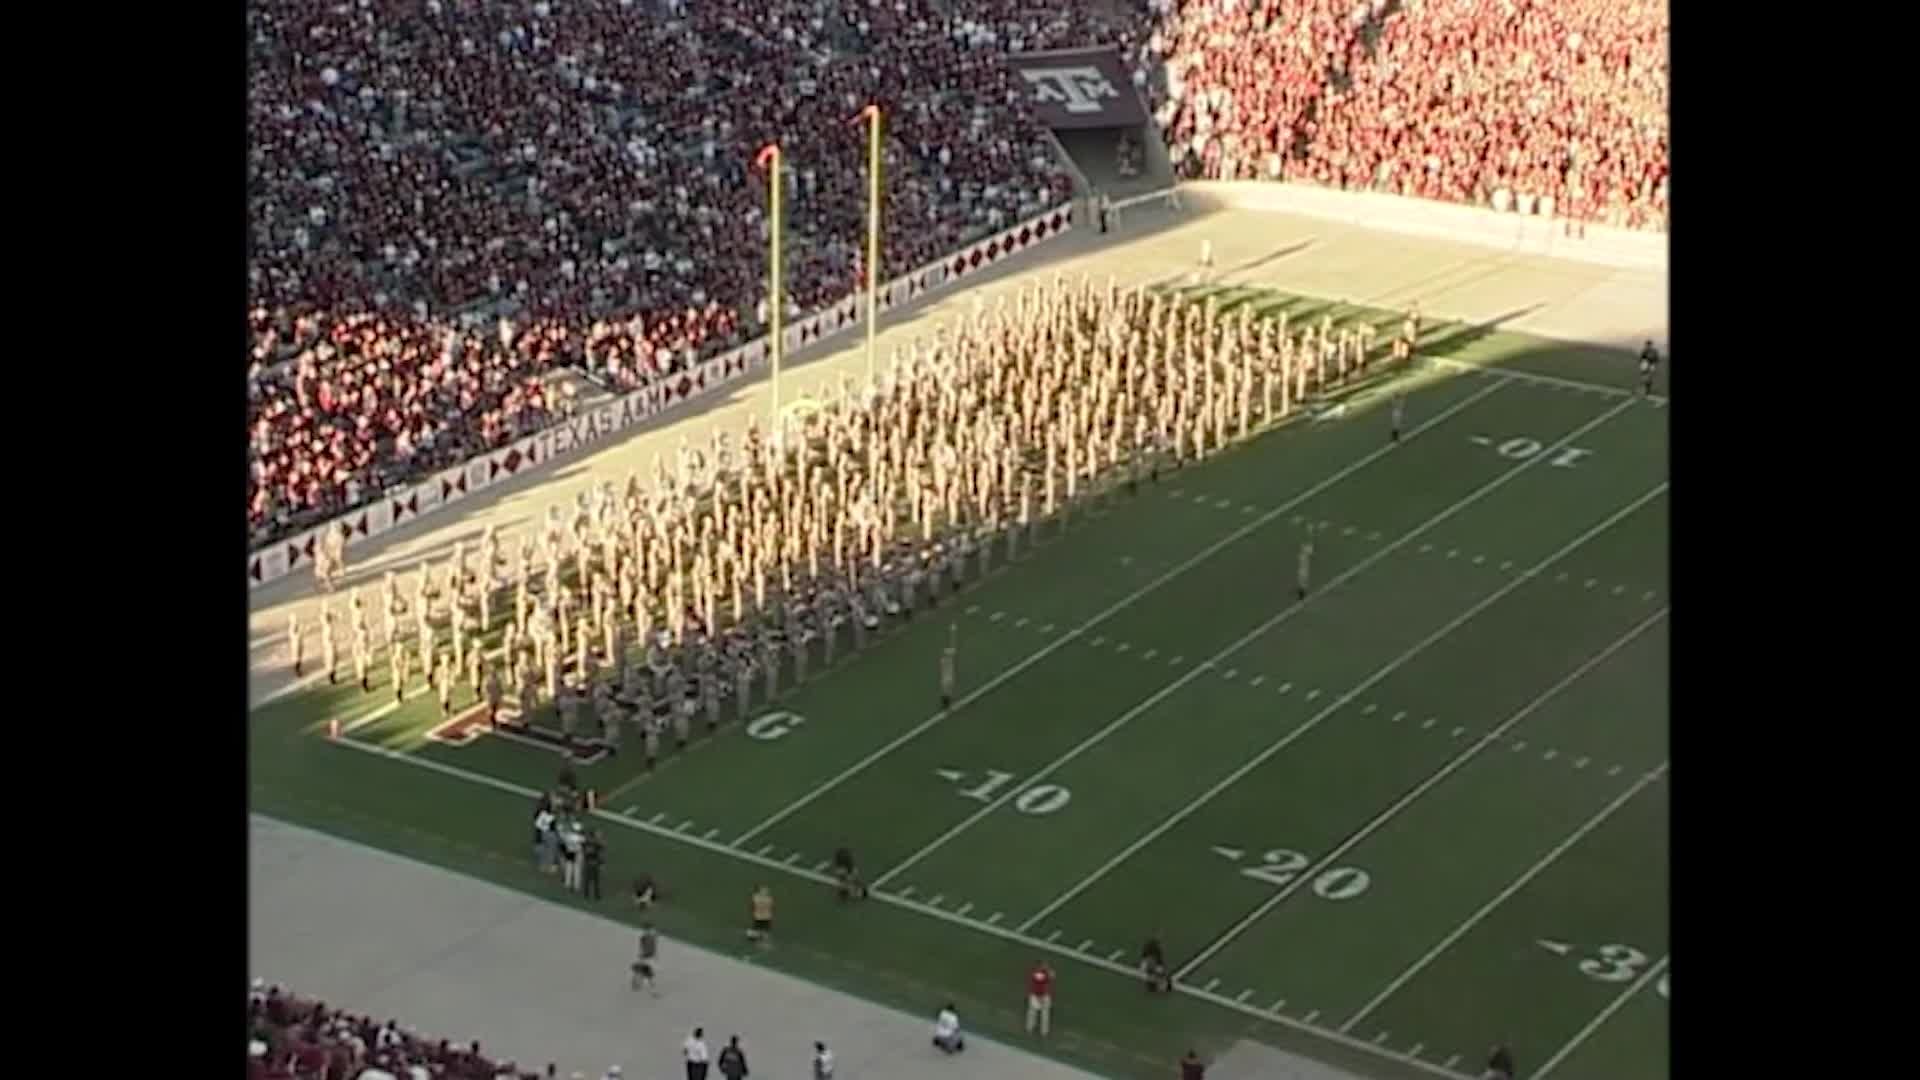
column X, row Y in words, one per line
column 1420, row 812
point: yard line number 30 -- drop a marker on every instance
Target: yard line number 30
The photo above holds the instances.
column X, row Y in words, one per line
column 1621, row 963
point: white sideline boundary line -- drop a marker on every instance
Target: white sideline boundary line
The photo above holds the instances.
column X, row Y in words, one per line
column 1518, row 883
column 1074, row 634
column 894, row 900
column 1235, row 646
column 1344, row 699
column 1316, row 719
column 1460, row 759
column 1604, row 1015
column 1542, row 380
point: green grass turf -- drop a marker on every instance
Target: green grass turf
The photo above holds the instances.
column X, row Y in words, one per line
column 1402, row 801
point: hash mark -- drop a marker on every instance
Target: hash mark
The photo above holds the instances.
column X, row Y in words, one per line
column 1581, row 763
column 1296, row 519
column 1417, row 1047
column 905, row 893
column 1550, row 755
column 973, row 609
column 1374, row 535
column 1380, row 1039
column 1121, row 646
column 1424, row 548
column 996, row 616
column 1285, row 686
column 1276, row 1006
column 1478, row 559
column 1313, row 693
column 1399, row 716
column 1224, row 504
column 1451, row 1062
column 1175, row 662
column 1020, row 622
column 1248, row 508
column 1369, row 709
column 1099, row 641
column 1508, row 565
column 1615, row 771
column 1149, row 654
column 1348, row 531
column 684, row 826
column 963, row 908
column 630, row 811
column 1257, row 680
column 1427, row 723
column 1047, row 629
column 819, row 866
column 1178, row 493
column 1230, row 673
column 1115, row 955
column 792, row 857
column 1459, row 731
column 1051, row 938
column 1561, row 576
column 1648, row 596
column 1591, row 583
column 1618, row 589
column 1519, row 745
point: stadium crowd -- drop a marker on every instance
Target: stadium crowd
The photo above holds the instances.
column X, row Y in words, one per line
column 449, row 200
column 294, row 1038
column 419, row 170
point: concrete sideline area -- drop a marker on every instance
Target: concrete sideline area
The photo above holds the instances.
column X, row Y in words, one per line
column 453, row 957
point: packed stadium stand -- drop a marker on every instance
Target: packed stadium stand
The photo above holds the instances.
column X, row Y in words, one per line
column 294, row 1038
column 448, row 201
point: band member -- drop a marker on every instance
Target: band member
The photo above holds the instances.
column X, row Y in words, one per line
column 426, row 648
column 494, row 693
column 362, row 660
column 328, row 653
column 948, row 656
column 529, row 693
column 477, row 669
column 294, row 642
column 397, row 657
column 443, row 683
column 650, row 740
column 569, row 701
column 761, row 905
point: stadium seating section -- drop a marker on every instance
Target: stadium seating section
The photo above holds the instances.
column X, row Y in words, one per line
column 450, row 200
column 295, row 1038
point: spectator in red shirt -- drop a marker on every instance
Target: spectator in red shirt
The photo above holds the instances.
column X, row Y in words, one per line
column 1040, row 998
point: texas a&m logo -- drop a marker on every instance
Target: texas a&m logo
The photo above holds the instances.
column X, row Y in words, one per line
column 1080, row 90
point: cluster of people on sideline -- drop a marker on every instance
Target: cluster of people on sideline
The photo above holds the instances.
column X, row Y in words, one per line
column 563, row 845
column 732, row 1064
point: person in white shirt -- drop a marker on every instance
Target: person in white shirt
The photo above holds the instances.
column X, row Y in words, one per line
column 946, row 1030
column 822, row 1062
column 695, row 1051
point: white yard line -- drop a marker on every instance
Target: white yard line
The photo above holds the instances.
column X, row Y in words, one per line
column 1505, row 894
column 1233, row 647
column 1541, row 380
column 1074, row 634
column 977, row 925
column 1332, row 707
column 1605, row 1014
column 1464, row 756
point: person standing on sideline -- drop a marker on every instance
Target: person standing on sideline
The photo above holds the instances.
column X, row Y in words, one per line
column 594, row 852
column 613, row 1073
column 1192, row 1068
column 822, row 1062
column 643, row 967
column 695, row 1052
column 733, row 1060
column 1040, row 998
column 761, row 932
column 1649, row 363
column 543, row 823
column 1306, row 564
column 946, row 1031
column 1399, row 411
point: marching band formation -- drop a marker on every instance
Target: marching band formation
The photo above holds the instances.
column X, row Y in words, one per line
column 646, row 606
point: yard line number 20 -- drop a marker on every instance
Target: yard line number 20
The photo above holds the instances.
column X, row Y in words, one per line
column 1281, row 866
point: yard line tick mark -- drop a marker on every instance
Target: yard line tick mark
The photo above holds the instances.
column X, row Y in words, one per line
column 1581, row 763
column 1618, row 589
column 1452, row 552
column 1313, row 693
column 1451, row 1062
column 1550, row 755
column 1020, row 622
column 1370, row 709
column 1508, row 565
column 1277, row 1006
column 1285, row 686
column 1230, row 673
column 1244, row 995
column 1519, row 745
column 1175, row 662
column 1374, row 535
column 1177, row 492
column 631, row 811
column 1399, row 716
column 996, row 616
column 1415, row 1052
column 1099, row 641
column 973, row 609
column 1348, row 531
column 1115, row 955
column 963, row 909
column 1122, row 647
column 1311, row 1016
column 1459, row 731
column 1224, row 504
column 1615, row 771
column 1085, row 945
column 1591, row 583
column 937, row 897
column 1427, row 723
column 1257, row 680
column 710, row 834
column 819, row 866
column 684, row 826
column 1047, row 629
column 1424, row 548
column 1561, row 576
column 1381, row 1039
column 655, row 819
column 763, row 851
column 1149, row 654
column 1053, row 937
column 792, row 857
column 1648, row 595
column 1211, row 983
column 1478, row 559
column 905, row 893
